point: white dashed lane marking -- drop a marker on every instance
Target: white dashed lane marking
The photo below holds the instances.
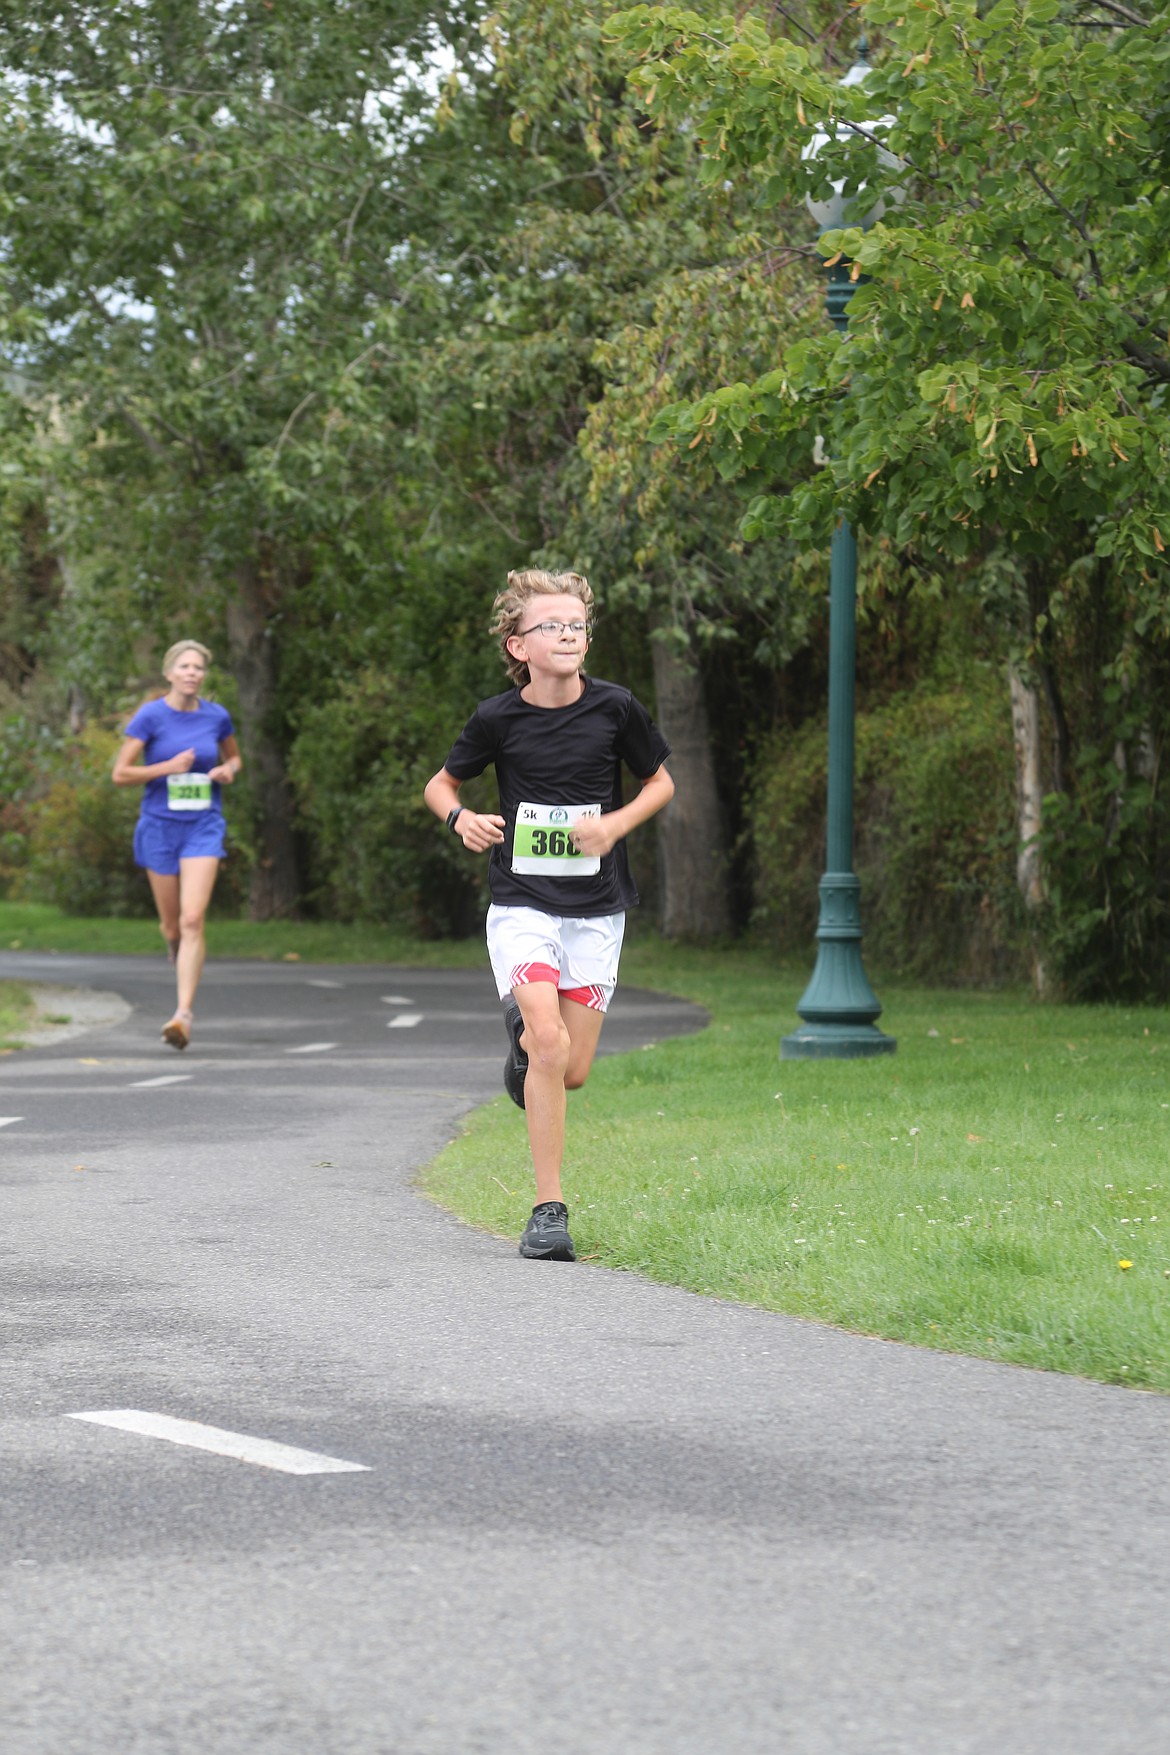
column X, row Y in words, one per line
column 166, row 1079
column 311, row 1048
column 324, row 983
column 10, row 1120
column 239, row 1445
column 394, row 999
column 405, row 1021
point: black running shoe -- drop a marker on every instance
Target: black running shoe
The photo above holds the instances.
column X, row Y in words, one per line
column 516, row 1065
column 546, row 1236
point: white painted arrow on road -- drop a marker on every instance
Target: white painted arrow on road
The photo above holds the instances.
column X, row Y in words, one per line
column 240, row 1446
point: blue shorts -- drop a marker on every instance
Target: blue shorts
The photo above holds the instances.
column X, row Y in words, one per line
column 161, row 842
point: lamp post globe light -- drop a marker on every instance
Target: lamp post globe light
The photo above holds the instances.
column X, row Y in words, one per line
column 839, row 1008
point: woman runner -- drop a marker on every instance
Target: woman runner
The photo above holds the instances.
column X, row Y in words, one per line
column 180, row 749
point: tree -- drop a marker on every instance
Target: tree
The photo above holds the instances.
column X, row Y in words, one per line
column 207, row 213
column 614, row 288
column 998, row 414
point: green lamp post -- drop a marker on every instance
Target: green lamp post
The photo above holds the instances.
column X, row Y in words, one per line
column 839, row 1008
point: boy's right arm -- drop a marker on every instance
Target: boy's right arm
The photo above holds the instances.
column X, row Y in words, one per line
column 477, row 833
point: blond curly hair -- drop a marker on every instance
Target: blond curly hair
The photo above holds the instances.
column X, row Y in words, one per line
column 510, row 606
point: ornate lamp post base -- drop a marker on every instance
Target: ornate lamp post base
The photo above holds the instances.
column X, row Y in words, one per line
column 839, row 1005
column 835, row 1042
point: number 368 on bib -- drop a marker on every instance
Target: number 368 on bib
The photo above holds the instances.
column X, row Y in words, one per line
column 542, row 845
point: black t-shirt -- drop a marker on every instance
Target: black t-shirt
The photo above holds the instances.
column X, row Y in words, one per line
column 558, row 757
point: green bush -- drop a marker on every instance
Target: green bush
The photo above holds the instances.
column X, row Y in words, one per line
column 1106, row 847
column 79, row 835
column 934, row 833
column 28, row 754
column 77, row 838
column 359, row 764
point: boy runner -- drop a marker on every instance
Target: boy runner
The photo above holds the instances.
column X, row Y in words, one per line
column 559, row 877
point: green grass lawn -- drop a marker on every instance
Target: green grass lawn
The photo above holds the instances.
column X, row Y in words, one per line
column 998, row 1186
column 34, row 926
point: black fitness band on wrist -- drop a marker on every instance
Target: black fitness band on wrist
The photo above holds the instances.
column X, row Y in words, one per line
column 453, row 816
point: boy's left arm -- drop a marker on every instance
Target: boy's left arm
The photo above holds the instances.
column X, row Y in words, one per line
column 601, row 834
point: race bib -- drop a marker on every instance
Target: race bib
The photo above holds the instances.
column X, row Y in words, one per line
column 188, row 791
column 541, row 846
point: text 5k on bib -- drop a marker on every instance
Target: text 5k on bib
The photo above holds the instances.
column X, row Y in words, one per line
column 541, row 846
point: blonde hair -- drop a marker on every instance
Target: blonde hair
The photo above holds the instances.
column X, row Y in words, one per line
column 511, row 604
column 173, row 653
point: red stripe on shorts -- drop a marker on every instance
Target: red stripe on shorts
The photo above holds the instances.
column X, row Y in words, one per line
column 593, row 997
column 524, row 973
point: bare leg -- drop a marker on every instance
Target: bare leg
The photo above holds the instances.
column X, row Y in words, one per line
column 584, row 1027
column 560, row 1039
column 196, row 882
column 547, row 1044
column 165, row 889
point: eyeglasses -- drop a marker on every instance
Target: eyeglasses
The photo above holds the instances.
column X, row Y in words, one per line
column 551, row 630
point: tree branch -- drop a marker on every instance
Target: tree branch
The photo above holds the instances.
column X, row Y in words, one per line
column 291, row 421
column 144, row 433
column 1078, row 227
column 347, row 246
column 1124, row 12
column 1157, row 365
column 1050, row 194
column 151, row 440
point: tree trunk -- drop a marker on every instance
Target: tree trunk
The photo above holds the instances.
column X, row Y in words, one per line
column 694, row 865
column 274, row 889
column 1039, row 610
column 1029, row 806
column 75, row 703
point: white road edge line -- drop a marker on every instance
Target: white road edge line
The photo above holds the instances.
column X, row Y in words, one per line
column 166, row 1079
column 404, row 1021
column 311, row 1048
column 263, row 1452
column 8, row 1120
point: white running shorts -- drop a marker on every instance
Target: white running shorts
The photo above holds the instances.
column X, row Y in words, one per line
column 578, row 954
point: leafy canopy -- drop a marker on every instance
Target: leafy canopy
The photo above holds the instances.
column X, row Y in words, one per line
column 1006, row 366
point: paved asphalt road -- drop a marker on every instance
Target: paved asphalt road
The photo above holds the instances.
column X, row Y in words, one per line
column 593, row 1514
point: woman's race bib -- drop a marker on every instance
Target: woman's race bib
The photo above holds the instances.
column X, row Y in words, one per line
column 188, row 791
column 541, row 846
